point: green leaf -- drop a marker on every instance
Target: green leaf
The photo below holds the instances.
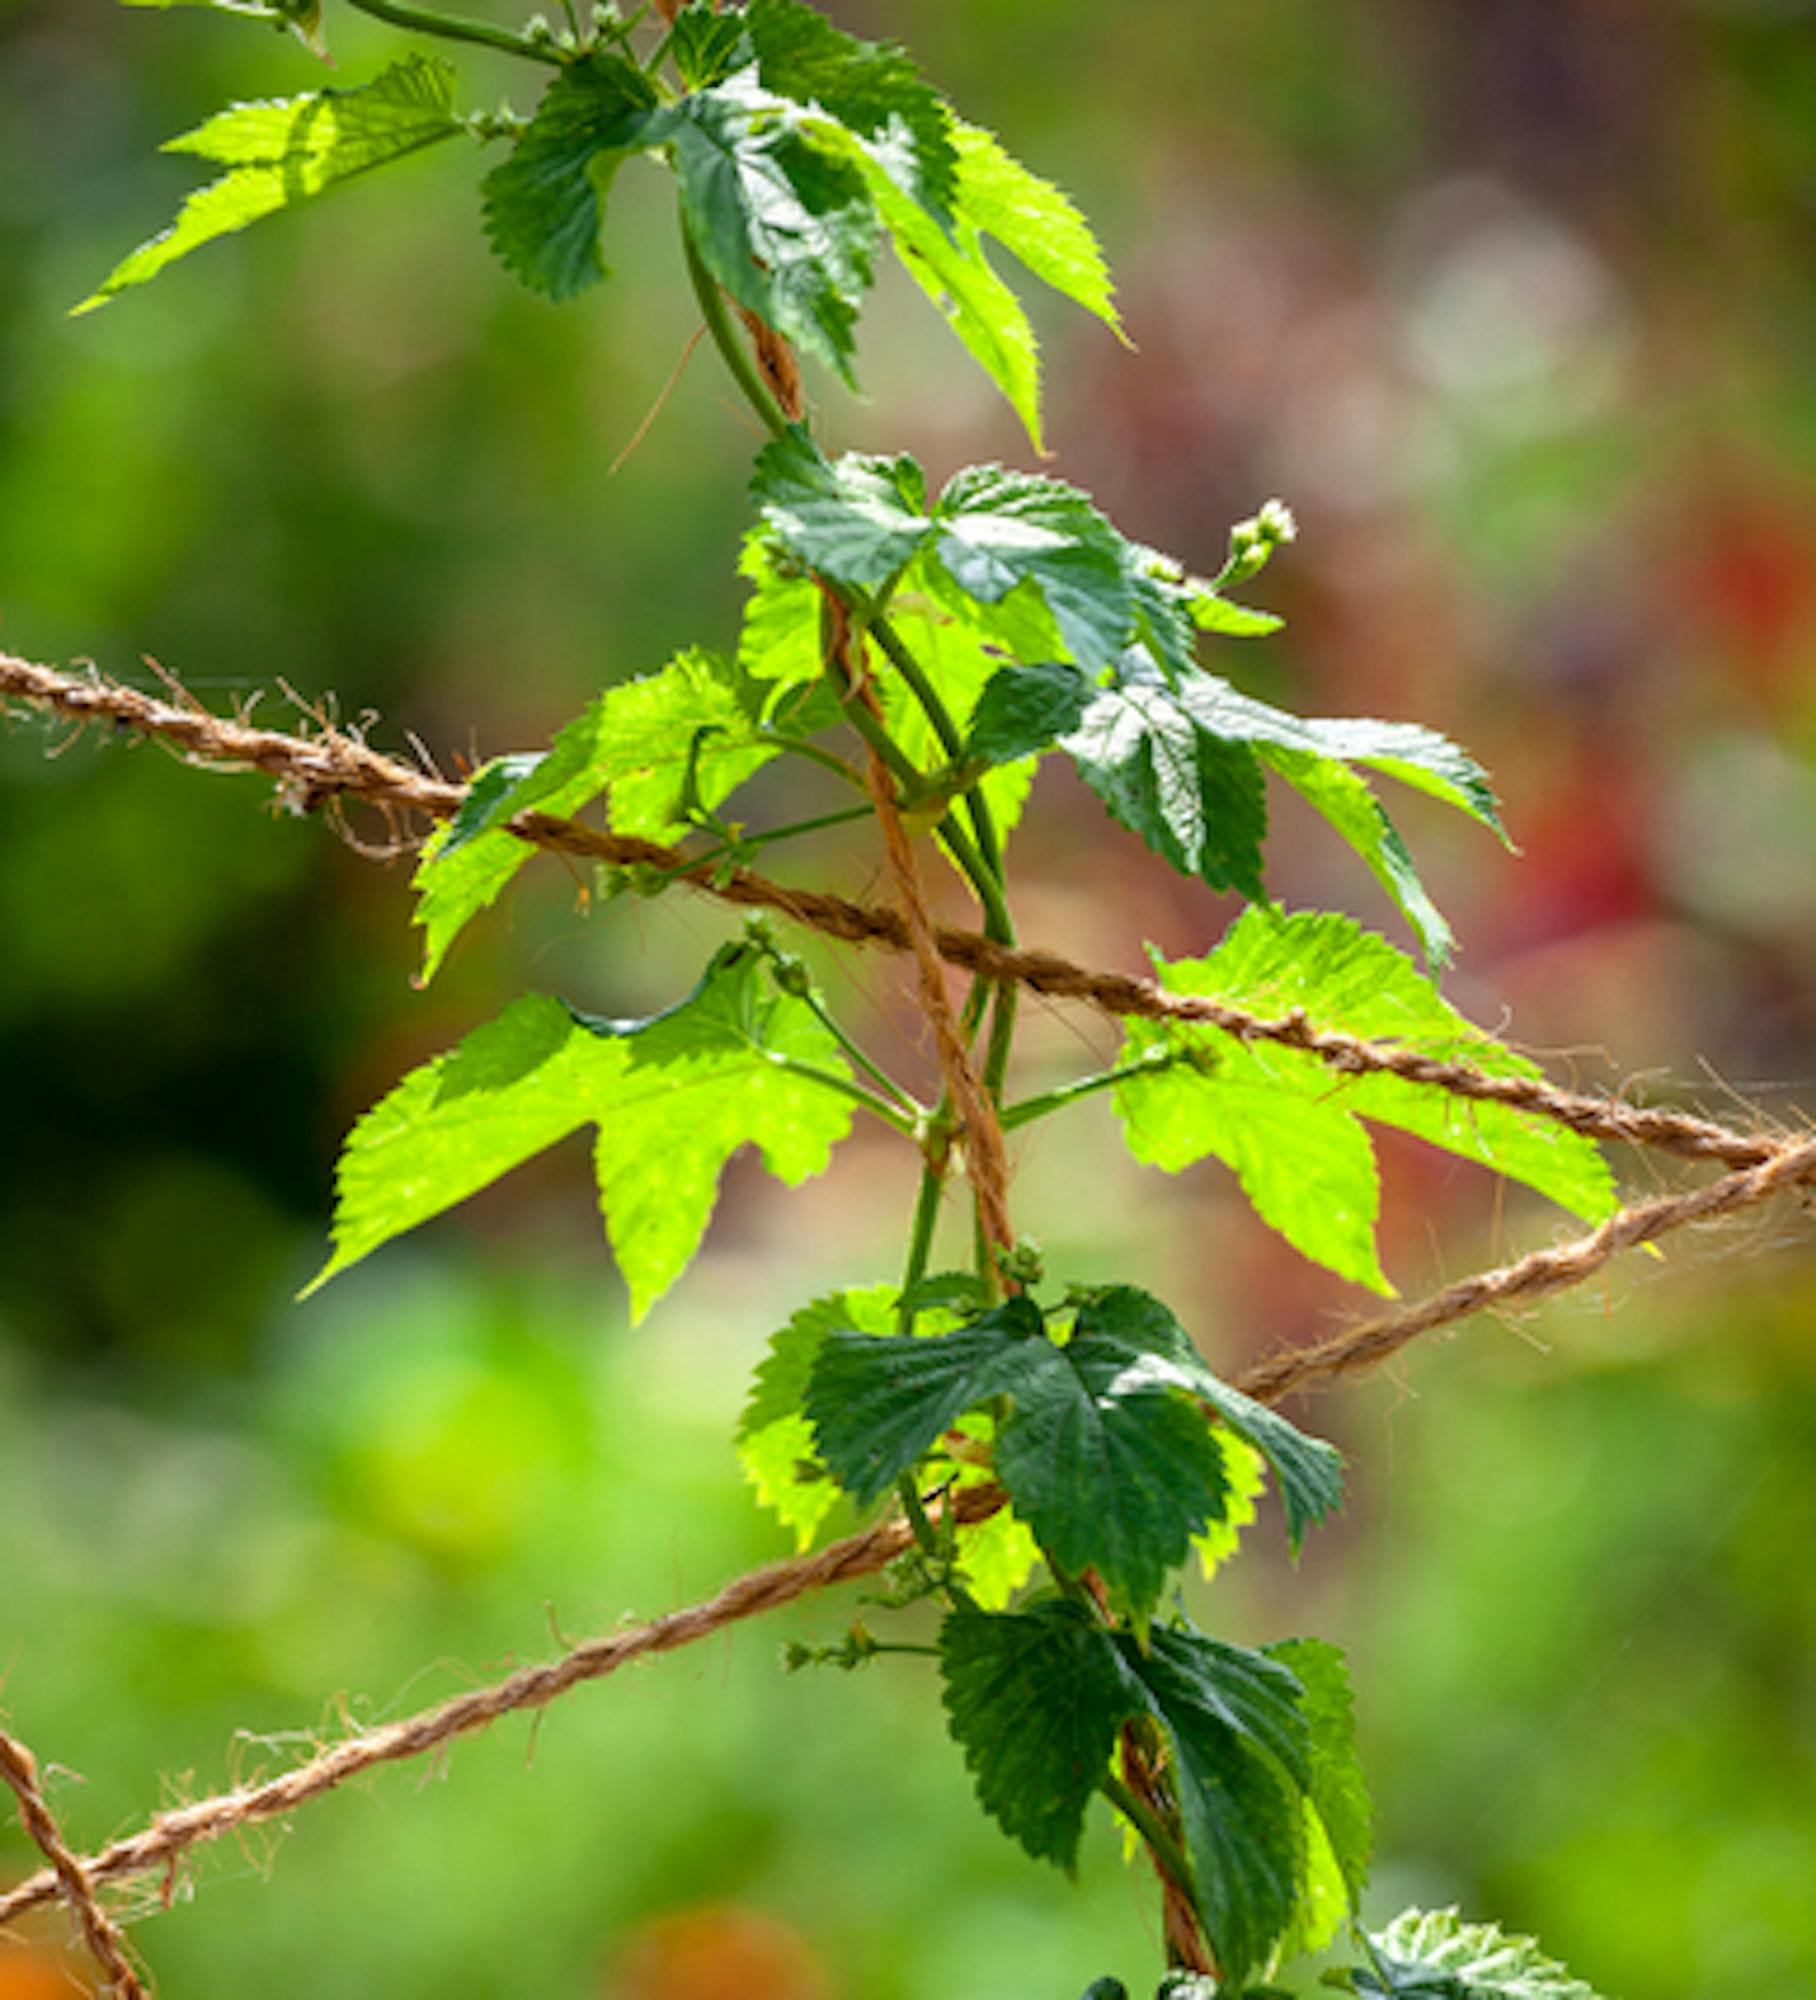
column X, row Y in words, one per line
column 1241, row 1760
column 870, row 88
column 878, row 1405
column 858, row 520
column 775, row 1440
column 1339, row 1815
column 1196, row 800
column 1221, row 1088
column 1024, row 709
column 674, row 1097
column 997, row 530
column 1435, row 1955
column 544, row 206
column 997, row 1555
column 1034, row 1700
column 1309, row 1470
column 284, row 151
column 1033, row 221
column 950, row 267
column 779, row 639
column 1245, row 1471
column 302, row 17
column 786, row 224
column 706, row 46
column 1110, row 1462
column 959, row 668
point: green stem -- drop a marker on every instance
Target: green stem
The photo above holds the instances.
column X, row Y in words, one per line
column 1165, row 1849
column 1049, row 1101
column 912, row 1106
column 983, row 821
column 453, row 28
column 879, row 1107
column 725, row 339
column 926, row 1219
column 828, row 760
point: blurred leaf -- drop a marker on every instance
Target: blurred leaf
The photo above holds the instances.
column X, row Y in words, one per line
column 1339, row 1815
column 1434, row 1955
column 284, row 151
column 544, row 206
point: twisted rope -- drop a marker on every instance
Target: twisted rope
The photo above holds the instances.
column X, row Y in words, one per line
column 68, row 1876
column 172, row 1834
column 332, row 765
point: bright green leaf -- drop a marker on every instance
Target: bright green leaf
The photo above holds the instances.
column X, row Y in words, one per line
column 1245, row 1470
column 1340, row 1817
column 1033, row 221
column 544, row 206
column 1034, row 1700
column 674, row 1097
column 1435, row 1955
column 1350, row 981
column 281, row 152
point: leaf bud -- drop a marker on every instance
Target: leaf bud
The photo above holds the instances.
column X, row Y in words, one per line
column 1025, row 1264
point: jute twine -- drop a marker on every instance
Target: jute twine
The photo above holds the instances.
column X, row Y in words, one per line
column 336, row 765
column 171, row 1834
column 69, row 1877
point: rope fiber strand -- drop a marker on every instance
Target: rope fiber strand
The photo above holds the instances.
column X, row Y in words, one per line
column 311, row 771
column 171, row 1834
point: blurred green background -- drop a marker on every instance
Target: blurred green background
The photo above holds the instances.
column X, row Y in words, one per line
column 1516, row 303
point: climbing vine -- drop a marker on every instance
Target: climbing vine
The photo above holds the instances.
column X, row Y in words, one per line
column 1052, row 1450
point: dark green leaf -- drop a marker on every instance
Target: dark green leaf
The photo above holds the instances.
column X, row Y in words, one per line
column 1109, row 1460
column 706, row 45
column 998, row 530
column 545, row 204
column 281, row 152
column 1195, row 799
column 1034, row 1700
column 857, row 521
column 870, row 88
column 876, row 1406
column 1241, row 1753
column 786, row 225
column 1023, row 710
column 1309, row 1470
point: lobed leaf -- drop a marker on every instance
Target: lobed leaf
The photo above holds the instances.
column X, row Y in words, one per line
column 1217, row 1096
column 284, row 151
column 673, row 1096
column 1339, row 1816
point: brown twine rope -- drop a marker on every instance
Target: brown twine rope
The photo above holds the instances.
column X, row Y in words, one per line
column 311, row 771
column 986, row 1158
column 67, row 1874
column 171, row 1834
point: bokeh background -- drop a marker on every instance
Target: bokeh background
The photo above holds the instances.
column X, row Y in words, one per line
column 1515, row 301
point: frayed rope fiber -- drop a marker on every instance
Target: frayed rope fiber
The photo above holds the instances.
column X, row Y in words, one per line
column 333, row 765
column 171, row 1834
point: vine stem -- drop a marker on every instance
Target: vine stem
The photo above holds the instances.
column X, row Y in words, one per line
column 724, row 338
column 456, row 28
